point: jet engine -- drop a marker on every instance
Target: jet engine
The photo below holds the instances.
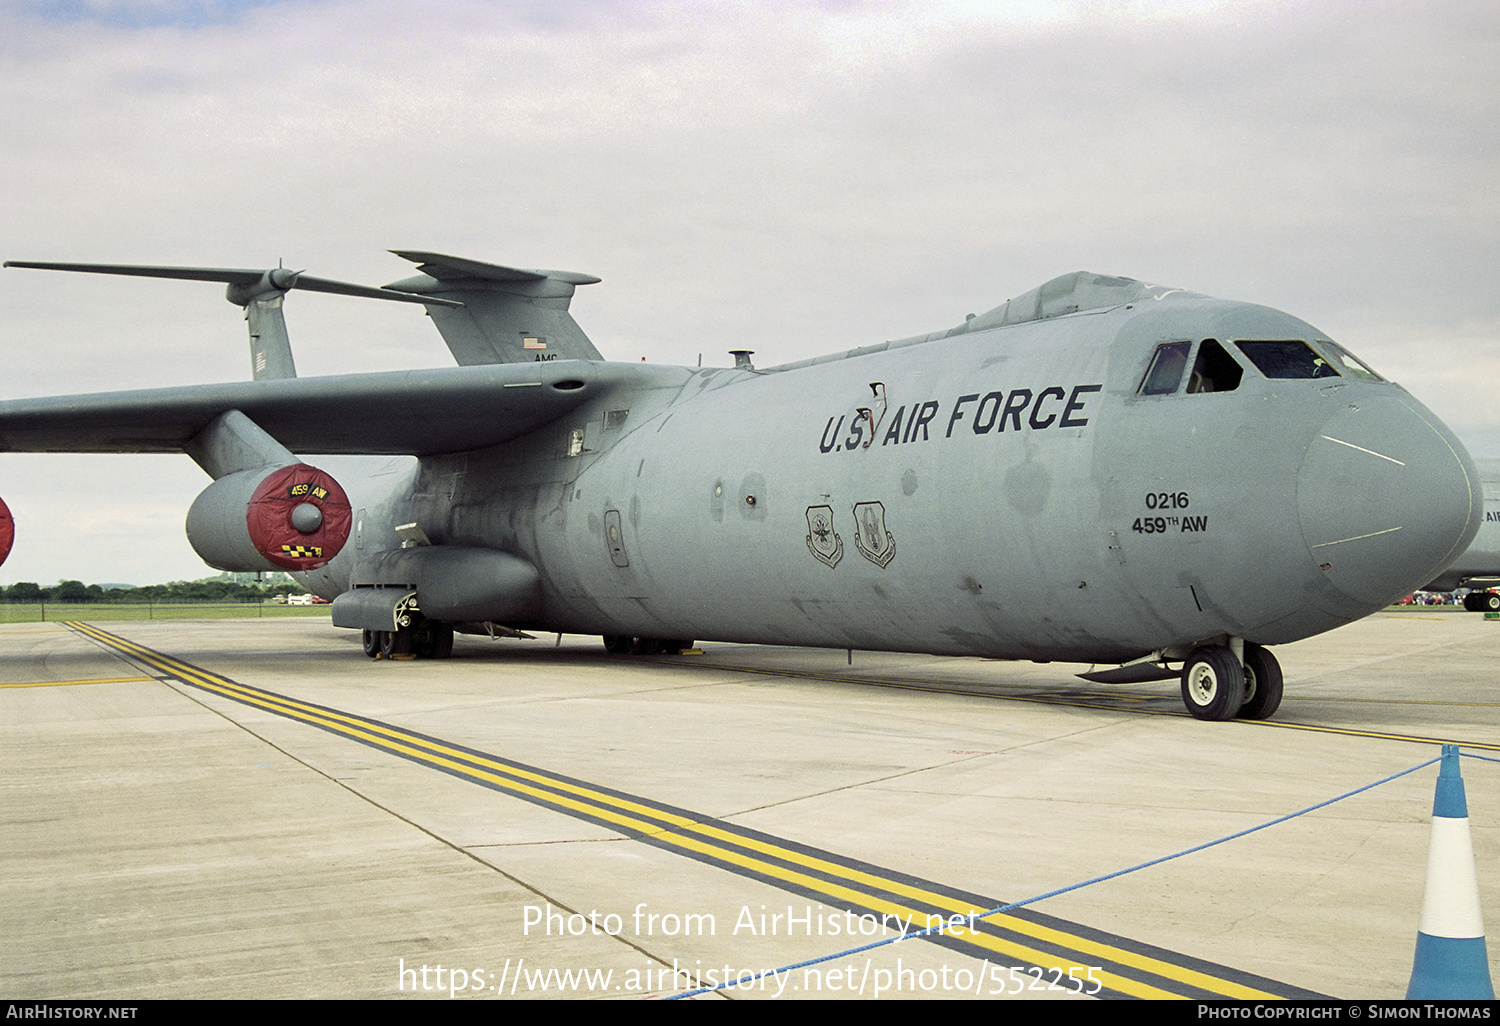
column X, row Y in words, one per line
column 283, row 518
column 7, row 531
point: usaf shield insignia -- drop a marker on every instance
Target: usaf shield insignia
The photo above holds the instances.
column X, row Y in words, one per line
column 874, row 542
column 822, row 540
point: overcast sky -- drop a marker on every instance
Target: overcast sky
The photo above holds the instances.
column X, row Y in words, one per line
column 793, row 178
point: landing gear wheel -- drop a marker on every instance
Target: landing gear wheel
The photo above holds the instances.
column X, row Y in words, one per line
column 1262, row 684
column 371, row 641
column 620, row 644
column 433, row 641
column 395, row 643
column 1213, row 683
column 1484, row 602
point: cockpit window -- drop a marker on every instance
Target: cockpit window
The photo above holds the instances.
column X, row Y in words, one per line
column 1292, row 359
column 1347, row 363
column 1165, row 372
column 1214, row 370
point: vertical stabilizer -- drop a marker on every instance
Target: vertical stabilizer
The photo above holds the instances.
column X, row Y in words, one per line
column 270, row 346
column 509, row 314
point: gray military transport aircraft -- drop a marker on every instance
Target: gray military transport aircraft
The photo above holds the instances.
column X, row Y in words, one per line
column 1479, row 566
column 1098, row 471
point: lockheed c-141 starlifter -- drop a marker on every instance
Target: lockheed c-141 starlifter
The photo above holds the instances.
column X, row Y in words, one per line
column 1099, row 471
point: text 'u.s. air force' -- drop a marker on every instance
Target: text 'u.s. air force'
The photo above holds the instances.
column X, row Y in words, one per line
column 982, row 413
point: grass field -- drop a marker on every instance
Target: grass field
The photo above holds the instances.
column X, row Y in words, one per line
column 34, row 612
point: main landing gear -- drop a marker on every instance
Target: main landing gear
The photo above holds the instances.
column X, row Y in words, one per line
column 430, row 640
column 1482, row 602
column 618, row 644
column 1218, row 686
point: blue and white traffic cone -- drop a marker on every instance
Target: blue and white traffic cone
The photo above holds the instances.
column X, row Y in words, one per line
column 1451, row 960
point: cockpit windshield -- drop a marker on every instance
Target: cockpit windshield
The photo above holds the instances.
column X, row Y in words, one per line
column 1347, row 363
column 1165, row 372
column 1289, row 359
column 1214, row 370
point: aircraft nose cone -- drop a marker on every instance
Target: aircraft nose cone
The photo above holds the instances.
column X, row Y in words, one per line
column 1387, row 498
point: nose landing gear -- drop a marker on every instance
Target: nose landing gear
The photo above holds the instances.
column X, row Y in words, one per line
column 1218, row 686
column 1263, row 684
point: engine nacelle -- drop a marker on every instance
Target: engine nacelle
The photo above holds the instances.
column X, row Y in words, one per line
column 7, row 531
column 288, row 518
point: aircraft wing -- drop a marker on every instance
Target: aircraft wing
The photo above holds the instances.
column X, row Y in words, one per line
column 417, row 412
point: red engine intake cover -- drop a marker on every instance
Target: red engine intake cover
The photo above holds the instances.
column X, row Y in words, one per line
column 7, row 531
column 269, row 517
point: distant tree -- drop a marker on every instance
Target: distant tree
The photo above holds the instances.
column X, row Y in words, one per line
column 213, row 589
column 69, row 591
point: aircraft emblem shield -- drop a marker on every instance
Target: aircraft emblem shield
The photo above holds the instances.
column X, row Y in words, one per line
column 874, row 542
column 822, row 540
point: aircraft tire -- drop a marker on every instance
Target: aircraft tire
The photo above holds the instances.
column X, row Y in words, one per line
column 433, row 640
column 1263, row 684
column 371, row 640
column 1487, row 602
column 620, row 644
column 394, row 643
column 1213, row 683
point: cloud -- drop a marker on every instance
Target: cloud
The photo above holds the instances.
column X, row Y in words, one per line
column 139, row 13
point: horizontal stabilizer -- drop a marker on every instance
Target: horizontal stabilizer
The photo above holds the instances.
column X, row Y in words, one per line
column 275, row 278
column 260, row 292
column 509, row 314
column 450, row 268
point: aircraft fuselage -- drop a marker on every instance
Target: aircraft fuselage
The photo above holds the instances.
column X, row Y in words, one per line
column 1010, row 492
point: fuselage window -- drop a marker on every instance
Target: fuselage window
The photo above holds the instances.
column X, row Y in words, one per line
column 1214, row 370
column 1293, row 359
column 1165, row 372
column 1347, row 363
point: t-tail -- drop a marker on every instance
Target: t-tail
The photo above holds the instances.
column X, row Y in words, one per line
column 507, row 314
column 260, row 292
